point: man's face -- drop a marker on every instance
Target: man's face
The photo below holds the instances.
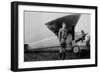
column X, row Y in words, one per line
column 64, row 25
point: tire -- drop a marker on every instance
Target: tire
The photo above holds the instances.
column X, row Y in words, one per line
column 76, row 49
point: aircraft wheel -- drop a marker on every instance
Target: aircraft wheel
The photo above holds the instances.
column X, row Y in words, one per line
column 76, row 49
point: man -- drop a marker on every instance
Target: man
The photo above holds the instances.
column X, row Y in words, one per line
column 62, row 35
column 81, row 38
column 83, row 35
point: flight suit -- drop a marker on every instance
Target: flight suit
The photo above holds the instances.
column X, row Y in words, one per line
column 62, row 39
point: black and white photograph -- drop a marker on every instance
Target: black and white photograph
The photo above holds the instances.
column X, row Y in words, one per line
column 56, row 36
column 52, row 36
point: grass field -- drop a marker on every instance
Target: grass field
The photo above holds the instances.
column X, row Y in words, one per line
column 48, row 54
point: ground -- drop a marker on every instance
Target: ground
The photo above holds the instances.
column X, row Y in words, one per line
column 46, row 54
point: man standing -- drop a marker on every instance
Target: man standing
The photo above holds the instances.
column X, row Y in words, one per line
column 62, row 35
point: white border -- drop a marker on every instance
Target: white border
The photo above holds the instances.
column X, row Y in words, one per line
column 22, row 64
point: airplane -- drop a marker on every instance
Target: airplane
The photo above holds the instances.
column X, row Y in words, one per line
column 50, row 43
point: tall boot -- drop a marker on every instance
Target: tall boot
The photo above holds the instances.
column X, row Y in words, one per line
column 62, row 55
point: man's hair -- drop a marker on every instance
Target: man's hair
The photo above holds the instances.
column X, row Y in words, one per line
column 82, row 30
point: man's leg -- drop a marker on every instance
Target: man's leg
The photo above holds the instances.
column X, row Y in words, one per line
column 62, row 51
